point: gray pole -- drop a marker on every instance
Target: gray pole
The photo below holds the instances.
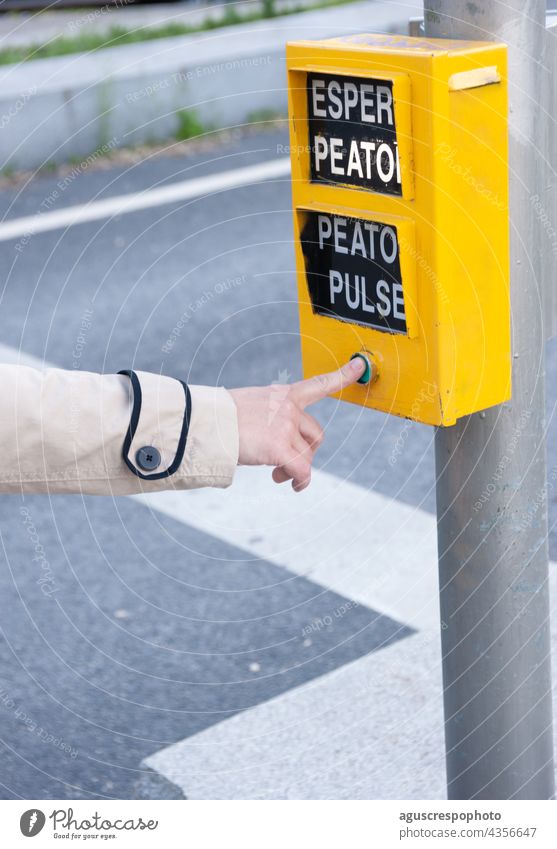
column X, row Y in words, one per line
column 491, row 477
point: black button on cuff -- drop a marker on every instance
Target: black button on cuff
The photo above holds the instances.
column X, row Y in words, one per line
column 148, row 458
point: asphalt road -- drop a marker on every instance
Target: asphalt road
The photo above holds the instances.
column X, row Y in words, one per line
column 154, row 631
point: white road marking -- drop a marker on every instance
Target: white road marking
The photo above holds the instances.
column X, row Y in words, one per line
column 122, row 204
column 356, row 542
column 370, row 729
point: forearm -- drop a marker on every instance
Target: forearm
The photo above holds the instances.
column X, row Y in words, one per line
column 80, row 432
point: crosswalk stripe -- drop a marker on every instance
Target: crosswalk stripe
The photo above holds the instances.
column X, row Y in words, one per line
column 358, row 543
column 370, row 729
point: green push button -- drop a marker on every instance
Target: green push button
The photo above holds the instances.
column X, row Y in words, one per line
column 366, row 376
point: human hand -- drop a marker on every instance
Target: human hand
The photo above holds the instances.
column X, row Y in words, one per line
column 275, row 429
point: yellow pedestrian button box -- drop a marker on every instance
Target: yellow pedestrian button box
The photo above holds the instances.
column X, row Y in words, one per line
column 400, row 193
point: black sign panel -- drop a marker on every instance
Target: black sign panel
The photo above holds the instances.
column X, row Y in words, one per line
column 353, row 270
column 352, row 133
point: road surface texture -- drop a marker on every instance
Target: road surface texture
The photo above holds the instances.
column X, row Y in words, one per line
column 134, row 624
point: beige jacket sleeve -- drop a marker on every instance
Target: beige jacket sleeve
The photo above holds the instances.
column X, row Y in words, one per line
column 112, row 434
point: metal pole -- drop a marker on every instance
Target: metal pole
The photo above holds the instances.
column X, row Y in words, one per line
column 491, row 477
column 550, row 199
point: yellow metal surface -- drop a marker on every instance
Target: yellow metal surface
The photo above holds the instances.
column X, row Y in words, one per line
column 451, row 220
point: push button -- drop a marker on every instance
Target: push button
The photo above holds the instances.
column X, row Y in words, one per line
column 370, row 371
column 148, row 458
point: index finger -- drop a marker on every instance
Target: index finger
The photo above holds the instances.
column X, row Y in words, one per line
column 316, row 388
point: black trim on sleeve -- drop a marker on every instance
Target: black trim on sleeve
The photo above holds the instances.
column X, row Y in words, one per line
column 134, row 421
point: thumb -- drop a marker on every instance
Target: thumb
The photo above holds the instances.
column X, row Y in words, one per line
column 316, row 388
